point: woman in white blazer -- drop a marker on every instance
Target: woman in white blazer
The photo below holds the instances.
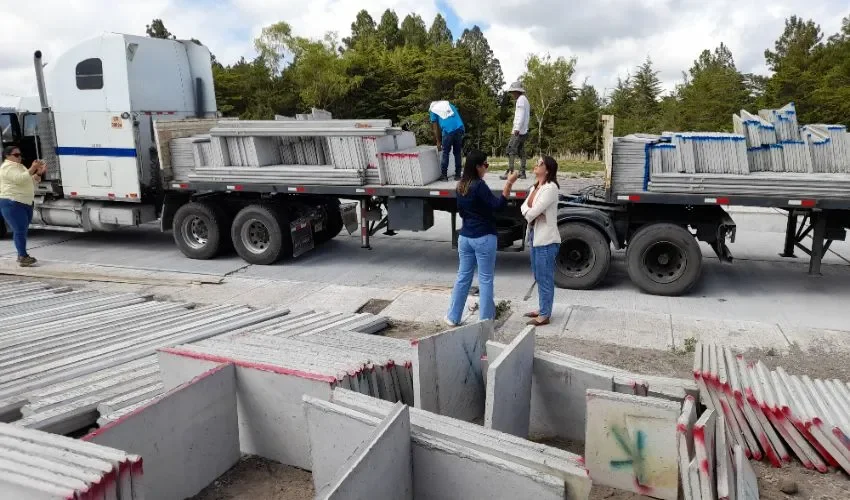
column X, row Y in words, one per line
column 541, row 211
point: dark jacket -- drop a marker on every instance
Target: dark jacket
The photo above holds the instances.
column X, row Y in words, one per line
column 477, row 209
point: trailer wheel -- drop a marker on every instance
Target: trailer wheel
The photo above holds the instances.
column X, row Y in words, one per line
column 664, row 259
column 258, row 234
column 198, row 230
column 584, row 257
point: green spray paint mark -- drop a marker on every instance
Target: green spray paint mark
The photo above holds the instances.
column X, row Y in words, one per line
column 634, row 452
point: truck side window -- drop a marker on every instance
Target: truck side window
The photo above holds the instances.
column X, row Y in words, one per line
column 7, row 132
column 90, row 74
column 30, row 125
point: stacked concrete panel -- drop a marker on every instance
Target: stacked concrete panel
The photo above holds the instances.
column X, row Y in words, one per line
column 187, row 438
column 39, row 465
column 86, row 358
column 772, row 414
column 456, row 459
column 416, row 166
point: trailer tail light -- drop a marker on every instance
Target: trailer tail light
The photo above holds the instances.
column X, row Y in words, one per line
column 438, row 193
column 802, row 203
column 132, row 196
column 628, row 197
column 110, row 195
column 717, row 201
column 237, row 187
column 369, row 191
column 296, row 189
column 73, row 193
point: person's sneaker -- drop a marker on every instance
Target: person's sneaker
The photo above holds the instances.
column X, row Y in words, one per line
column 457, row 177
column 449, row 322
column 522, row 175
column 26, row 261
column 504, row 176
column 444, row 178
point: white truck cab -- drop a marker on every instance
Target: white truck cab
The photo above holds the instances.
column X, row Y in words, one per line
column 98, row 102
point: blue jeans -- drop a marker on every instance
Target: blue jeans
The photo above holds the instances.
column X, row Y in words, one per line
column 452, row 141
column 472, row 252
column 18, row 216
column 543, row 268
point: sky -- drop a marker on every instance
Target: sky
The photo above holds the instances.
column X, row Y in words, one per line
column 609, row 38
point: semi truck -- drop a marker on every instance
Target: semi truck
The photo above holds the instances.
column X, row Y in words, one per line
column 112, row 103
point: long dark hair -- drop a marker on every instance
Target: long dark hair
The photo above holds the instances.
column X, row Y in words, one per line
column 470, row 171
column 551, row 171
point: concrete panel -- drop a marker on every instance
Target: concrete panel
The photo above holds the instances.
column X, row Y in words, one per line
column 187, row 438
column 454, row 471
column 747, row 487
column 380, row 468
column 704, row 433
column 447, row 377
column 13, row 485
column 508, row 400
column 472, row 437
column 724, row 467
column 269, row 405
column 685, row 443
column 335, row 433
column 558, row 389
column 630, row 445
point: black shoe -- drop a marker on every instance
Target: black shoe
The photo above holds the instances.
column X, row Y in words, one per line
column 522, row 175
column 457, row 177
column 444, row 178
column 505, row 175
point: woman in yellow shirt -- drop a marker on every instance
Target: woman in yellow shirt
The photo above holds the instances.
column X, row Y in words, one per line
column 17, row 193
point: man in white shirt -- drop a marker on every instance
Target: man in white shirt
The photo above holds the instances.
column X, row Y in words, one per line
column 519, row 132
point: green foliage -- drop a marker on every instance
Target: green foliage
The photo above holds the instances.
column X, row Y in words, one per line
column 391, row 69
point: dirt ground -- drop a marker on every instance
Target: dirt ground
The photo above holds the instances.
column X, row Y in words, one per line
column 255, row 478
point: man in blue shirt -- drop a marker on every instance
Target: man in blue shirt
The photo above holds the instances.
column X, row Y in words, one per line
column 445, row 118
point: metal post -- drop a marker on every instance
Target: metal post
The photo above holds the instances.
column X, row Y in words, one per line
column 790, row 233
column 454, row 229
column 819, row 223
column 364, row 225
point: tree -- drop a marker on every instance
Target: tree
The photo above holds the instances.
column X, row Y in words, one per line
column 273, row 43
column 362, row 28
column 485, row 64
column 547, row 83
column 388, row 31
column 713, row 91
column 646, row 94
column 413, row 31
column 439, row 33
column 157, row 29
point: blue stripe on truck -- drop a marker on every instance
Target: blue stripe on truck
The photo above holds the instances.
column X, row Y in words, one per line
column 110, row 152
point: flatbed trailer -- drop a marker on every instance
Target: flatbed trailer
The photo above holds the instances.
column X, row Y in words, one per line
column 377, row 207
column 660, row 231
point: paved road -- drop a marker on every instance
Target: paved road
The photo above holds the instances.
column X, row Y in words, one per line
column 759, row 286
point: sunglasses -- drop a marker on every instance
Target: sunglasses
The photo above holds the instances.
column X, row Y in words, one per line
column 485, row 165
column 16, row 155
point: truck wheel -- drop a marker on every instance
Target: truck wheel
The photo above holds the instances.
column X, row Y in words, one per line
column 664, row 259
column 198, row 230
column 584, row 257
column 258, row 234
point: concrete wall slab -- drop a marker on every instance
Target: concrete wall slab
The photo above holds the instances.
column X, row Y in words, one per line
column 508, row 392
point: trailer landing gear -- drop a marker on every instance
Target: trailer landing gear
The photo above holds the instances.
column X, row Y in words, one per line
column 823, row 227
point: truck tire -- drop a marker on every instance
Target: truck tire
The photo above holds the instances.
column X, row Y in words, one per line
column 260, row 234
column 333, row 224
column 664, row 259
column 584, row 257
column 200, row 230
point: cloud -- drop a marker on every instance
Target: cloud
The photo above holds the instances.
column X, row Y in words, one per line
column 608, row 37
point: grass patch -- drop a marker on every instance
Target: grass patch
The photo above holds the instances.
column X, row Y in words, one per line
column 583, row 168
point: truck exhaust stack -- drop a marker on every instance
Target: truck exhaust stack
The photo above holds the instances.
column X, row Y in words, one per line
column 39, row 77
